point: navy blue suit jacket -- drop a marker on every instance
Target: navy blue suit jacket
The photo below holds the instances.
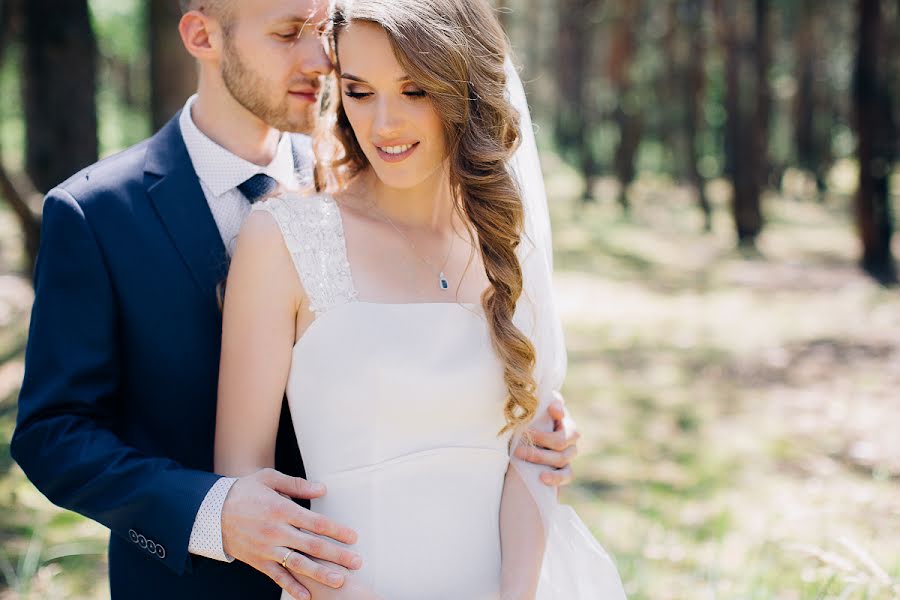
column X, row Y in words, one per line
column 117, row 409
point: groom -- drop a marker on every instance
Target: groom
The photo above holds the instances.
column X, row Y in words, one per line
column 118, row 406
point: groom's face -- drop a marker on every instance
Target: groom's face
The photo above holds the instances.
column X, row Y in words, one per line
column 273, row 59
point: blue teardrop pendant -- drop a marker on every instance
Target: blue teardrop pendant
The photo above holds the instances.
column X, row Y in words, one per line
column 445, row 285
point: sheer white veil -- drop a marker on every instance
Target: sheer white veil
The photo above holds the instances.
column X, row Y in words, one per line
column 575, row 565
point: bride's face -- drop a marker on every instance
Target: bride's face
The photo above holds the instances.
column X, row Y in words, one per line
column 393, row 118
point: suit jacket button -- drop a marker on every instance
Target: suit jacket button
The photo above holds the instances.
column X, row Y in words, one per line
column 142, row 541
column 133, row 536
column 151, row 546
column 160, row 551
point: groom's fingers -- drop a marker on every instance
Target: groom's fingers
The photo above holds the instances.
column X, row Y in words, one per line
column 286, row 581
column 558, row 477
column 305, row 519
column 558, row 440
column 298, row 564
column 548, row 458
column 321, row 548
column 557, row 409
column 295, row 487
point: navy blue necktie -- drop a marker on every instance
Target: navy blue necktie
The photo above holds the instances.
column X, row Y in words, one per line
column 257, row 187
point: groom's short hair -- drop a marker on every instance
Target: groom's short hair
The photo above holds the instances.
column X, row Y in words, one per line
column 216, row 7
column 219, row 9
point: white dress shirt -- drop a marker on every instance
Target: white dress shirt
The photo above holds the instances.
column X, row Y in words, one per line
column 220, row 172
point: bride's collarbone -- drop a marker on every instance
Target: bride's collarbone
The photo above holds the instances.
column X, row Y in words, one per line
column 385, row 266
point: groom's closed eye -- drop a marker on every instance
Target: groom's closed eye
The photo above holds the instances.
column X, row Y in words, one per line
column 296, row 28
column 287, row 36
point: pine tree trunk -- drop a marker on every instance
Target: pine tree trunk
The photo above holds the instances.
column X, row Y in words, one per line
column 628, row 113
column 741, row 32
column 173, row 72
column 763, row 113
column 60, row 83
column 19, row 196
column 804, row 104
column 567, row 75
column 693, row 89
column 876, row 133
column 573, row 114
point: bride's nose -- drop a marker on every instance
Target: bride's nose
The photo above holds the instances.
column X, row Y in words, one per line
column 388, row 119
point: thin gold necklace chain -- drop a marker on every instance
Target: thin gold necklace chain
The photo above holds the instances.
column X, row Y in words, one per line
column 442, row 279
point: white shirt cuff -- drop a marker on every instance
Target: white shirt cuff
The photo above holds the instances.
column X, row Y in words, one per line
column 206, row 536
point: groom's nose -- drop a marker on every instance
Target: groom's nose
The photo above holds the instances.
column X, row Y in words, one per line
column 313, row 60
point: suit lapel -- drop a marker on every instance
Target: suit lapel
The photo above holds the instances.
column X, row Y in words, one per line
column 174, row 188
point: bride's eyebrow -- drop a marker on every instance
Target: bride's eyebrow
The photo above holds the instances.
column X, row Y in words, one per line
column 401, row 79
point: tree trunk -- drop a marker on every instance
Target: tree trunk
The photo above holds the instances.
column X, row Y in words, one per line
column 173, row 72
column 19, row 200
column 693, row 89
column 567, row 74
column 18, row 197
column 763, row 112
column 813, row 110
column 60, row 83
column 573, row 116
column 668, row 83
column 804, row 104
column 747, row 118
column 628, row 113
column 876, row 133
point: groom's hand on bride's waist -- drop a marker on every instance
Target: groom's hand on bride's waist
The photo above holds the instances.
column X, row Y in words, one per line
column 555, row 449
column 262, row 527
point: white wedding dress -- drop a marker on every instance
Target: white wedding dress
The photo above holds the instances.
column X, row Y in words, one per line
column 397, row 408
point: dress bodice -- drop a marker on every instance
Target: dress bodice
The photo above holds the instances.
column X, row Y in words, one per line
column 397, row 409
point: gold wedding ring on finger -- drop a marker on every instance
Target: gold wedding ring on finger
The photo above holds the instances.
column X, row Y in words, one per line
column 286, row 556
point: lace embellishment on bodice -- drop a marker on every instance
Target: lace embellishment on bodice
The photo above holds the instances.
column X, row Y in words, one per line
column 314, row 235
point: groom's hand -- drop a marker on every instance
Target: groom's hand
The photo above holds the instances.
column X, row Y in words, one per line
column 554, row 449
column 261, row 525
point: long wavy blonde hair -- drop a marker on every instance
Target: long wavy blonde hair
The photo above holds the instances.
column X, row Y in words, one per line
column 455, row 51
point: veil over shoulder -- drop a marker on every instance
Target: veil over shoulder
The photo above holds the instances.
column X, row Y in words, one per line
column 575, row 565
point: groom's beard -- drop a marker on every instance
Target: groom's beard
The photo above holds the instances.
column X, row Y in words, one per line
column 253, row 93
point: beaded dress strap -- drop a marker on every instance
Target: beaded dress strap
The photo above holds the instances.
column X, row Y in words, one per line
column 314, row 235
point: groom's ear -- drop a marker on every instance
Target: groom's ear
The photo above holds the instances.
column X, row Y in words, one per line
column 201, row 35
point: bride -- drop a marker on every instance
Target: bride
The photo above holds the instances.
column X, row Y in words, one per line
column 400, row 311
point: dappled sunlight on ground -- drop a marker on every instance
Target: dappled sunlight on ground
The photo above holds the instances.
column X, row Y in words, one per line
column 740, row 414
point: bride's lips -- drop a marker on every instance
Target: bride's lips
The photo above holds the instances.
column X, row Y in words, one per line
column 395, row 158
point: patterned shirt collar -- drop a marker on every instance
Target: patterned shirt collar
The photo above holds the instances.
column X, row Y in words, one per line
column 220, row 169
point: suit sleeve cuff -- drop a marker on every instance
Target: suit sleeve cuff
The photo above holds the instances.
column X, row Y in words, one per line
column 206, row 535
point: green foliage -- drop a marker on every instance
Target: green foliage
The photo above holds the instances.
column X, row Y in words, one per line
column 12, row 129
column 119, row 26
column 123, row 99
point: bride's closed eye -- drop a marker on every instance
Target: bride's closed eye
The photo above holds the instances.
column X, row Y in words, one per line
column 414, row 94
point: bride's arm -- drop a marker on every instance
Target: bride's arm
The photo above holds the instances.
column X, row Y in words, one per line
column 522, row 538
column 263, row 296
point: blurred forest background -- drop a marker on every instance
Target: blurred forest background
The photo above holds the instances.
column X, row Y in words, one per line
column 722, row 178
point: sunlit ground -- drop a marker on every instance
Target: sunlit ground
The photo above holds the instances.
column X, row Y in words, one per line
column 740, row 415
